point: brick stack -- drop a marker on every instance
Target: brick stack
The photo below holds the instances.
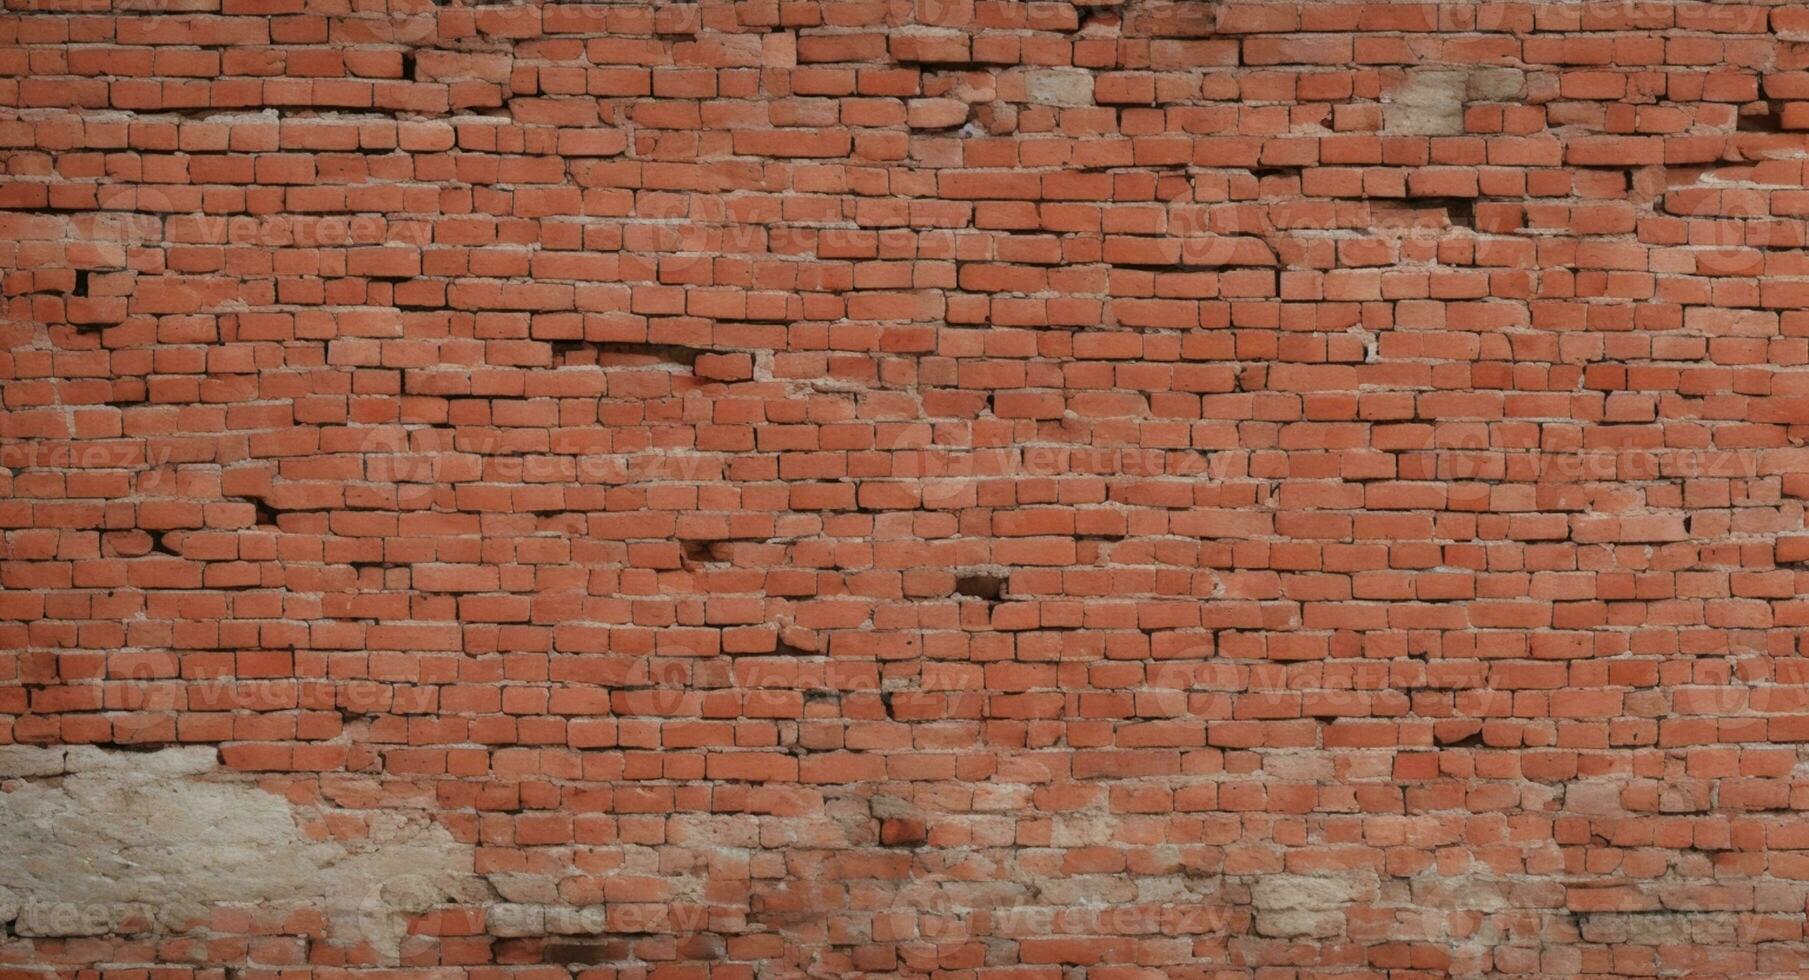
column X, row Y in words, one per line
column 992, row 489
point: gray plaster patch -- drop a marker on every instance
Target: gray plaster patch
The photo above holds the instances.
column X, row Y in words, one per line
column 1497, row 85
column 1428, row 103
column 31, row 760
column 1060, row 87
column 1659, row 928
column 94, row 841
column 1307, row 905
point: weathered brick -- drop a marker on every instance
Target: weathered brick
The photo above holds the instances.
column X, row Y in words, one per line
column 926, row 487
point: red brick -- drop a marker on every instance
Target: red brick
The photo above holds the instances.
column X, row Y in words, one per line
column 801, row 476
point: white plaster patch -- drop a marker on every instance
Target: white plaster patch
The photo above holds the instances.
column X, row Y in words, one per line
column 1428, row 103
column 1307, row 905
column 1060, row 86
column 94, row 841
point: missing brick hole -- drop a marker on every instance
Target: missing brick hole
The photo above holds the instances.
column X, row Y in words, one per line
column 265, row 514
column 1263, row 173
column 706, row 551
column 1769, row 121
column 1470, row 741
column 408, row 66
column 585, row 352
column 784, row 649
column 160, row 544
column 967, row 127
column 1460, row 212
column 583, row 953
column 980, row 585
column 146, row 747
column 1684, row 176
column 81, row 283
column 1088, row 14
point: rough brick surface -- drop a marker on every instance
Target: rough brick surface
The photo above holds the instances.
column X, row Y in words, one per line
column 1082, row 488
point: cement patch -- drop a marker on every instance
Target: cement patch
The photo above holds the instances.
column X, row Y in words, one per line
column 95, row 842
column 1428, row 103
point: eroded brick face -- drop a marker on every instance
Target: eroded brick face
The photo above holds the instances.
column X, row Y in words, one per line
column 1115, row 489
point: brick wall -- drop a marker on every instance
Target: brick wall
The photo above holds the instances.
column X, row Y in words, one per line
column 1081, row 488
